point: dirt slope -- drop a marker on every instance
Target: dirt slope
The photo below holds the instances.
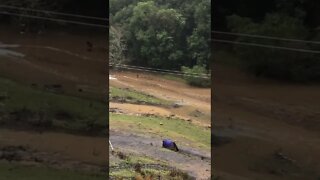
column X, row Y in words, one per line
column 194, row 161
column 191, row 98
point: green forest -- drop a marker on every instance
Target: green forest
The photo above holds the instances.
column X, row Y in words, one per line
column 165, row 34
column 291, row 19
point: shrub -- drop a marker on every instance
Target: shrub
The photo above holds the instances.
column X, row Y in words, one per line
column 195, row 76
column 275, row 63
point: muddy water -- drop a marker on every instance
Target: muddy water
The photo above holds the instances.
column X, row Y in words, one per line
column 73, row 147
column 262, row 117
column 9, row 53
column 57, row 58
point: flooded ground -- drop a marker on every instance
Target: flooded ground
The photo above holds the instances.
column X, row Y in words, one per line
column 273, row 127
column 60, row 58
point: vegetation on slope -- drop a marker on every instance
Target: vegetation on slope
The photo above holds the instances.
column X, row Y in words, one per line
column 23, row 106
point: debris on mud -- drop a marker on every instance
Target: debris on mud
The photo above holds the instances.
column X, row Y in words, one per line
column 115, row 110
column 129, row 99
column 279, row 155
column 176, row 105
column 196, row 113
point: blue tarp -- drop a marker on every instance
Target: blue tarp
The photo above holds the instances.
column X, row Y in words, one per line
column 169, row 144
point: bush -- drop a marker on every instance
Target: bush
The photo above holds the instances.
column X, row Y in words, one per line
column 195, row 76
column 275, row 63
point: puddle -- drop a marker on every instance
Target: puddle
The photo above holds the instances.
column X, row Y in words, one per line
column 6, row 52
column 111, row 77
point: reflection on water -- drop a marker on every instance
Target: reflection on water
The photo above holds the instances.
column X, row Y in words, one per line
column 6, row 52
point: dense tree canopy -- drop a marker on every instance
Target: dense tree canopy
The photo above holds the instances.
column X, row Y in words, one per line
column 116, row 46
column 294, row 19
column 165, row 34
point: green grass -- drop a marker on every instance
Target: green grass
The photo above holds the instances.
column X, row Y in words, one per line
column 174, row 78
column 133, row 96
column 26, row 101
column 10, row 171
column 141, row 159
column 133, row 160
column 171, row 128
column 163, row 174
column 123, row 174
column 155, row 172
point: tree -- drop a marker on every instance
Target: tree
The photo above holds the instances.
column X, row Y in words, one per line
column 165, row 34
column 153, row 37
column 275, row 63
column 195, row 76
column 199, row 41
column 116, row 46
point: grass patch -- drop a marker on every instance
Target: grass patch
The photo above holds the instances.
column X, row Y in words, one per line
column 135, row 97
column 132, row 159
column 123, row 174
column 139, row 167
column 10, row 171
column 171, row 128
column 23, row 105
column 174, row 78
column 141, row 159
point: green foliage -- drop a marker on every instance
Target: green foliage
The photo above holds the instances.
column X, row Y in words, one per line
column 273, row 63
column 194, row 76
column 172, row 128
column 291, row 7
column 116, row 46
column 28, row 107
column 164, row 34
column 135, row 97
column 199, row 41
column 154, row 35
